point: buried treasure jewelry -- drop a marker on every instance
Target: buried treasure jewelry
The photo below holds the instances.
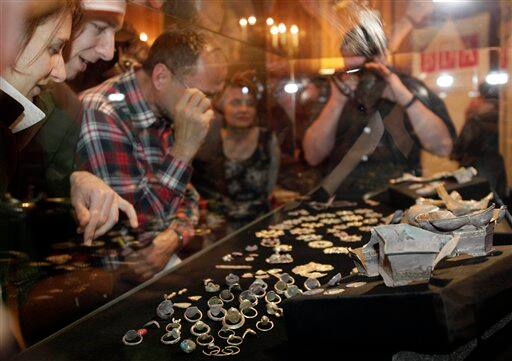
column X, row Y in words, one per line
column 172, row 337
column 132, row 338
column 200, row 328
column 216, row 313
column 234, row 319
column 193, row 314
column 265, row 324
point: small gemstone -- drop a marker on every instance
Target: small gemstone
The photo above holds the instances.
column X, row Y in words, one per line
column 188, row 345
column 142, row 331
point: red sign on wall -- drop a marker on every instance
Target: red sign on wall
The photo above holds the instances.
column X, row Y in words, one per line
column 452, row 59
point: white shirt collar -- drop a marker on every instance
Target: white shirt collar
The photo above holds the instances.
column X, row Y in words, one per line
column 31, row 114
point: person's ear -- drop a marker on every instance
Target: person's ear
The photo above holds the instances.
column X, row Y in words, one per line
column 161, row 76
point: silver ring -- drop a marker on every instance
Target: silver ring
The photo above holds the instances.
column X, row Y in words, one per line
column 273, row 309
column 191, row 312
column 212, row 353
column 175, row 337
column 234, row 350
column 257, row 290
column 211, row 287
column 280, row 287
column 232, row 279
column 249, row 312
column 230, row 313
column 286, row 278
column 248, row 295
column 222, row 333
column 292, row 291
column 165, row 309
column 210, row 315
column 130, row 337
column 260, row 282
column 271, row 296
column 200, row 340
column 226, row 296
column 311, row 283
column 248, row 331
column 200, row 324
column 215, row 301
column 234, row 340
column 173, row 325
column 265, row 324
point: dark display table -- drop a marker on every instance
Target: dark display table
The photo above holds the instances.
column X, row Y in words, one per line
column 98, row 335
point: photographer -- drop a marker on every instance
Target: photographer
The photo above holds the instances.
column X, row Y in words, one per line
column 414, row 117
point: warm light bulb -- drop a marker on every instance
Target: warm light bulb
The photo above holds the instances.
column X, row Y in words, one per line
column 243, row 22
column 291, row 88
column 143, row 37
column 282, row 28
column 445, row 81
column 274, row 30
column 497, row 78
column 294, row 29
column 270, row 21
column 252, row 20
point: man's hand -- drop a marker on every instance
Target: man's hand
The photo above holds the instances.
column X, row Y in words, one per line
column 152, row 259
column 97, row 205
column 193, row 115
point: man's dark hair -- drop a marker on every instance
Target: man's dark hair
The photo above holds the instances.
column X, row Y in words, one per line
column 176, row 48
column 364, row 34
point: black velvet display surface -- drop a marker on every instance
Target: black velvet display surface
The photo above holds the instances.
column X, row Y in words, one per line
column 98, row 335
column 465, row 296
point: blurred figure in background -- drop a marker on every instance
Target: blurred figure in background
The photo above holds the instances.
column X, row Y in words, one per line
column 478, row 142
column 414, row 118
column 242, row 172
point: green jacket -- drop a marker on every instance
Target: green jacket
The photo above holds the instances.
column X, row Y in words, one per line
column 47, row 161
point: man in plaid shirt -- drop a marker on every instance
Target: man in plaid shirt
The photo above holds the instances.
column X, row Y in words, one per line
column 141, row 130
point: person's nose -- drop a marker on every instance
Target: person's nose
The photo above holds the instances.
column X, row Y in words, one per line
column 58, row 73
column 106, row 45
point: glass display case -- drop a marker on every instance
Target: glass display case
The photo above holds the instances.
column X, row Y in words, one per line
column 313, row 125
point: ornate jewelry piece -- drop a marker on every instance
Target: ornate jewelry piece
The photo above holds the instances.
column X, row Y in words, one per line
column 132, row 338
column 277, row 258
column 234, row 319
column 365, row 228
column 355, row 284
column 188, row 345
column 165, row 310
column 312, row 270
column 316, row 291
column 335, row 280
column 193, row 314
column 194, row 298
column 216, row 313
column 232, row 266
column 336, row 250
column 251, row 248
column 171, row 337
column 334, row 291
column 270, row 242
column 225, row 333
column 309, row 237
column 182, row 305
column 249, row 331
column 235, row 340
column 273, row 297
column 320, row 244
column 264, row 324
column 269, row 233
column 311, row 283
column 286, row 278
column 292, row 291
column 257, row 290
column 205, row 340
column 200, row 328
column 249, row 296
column 175, row 324
column 249, row 312
column 283, row 248
column 215, row 301
column 274, row 309
column 247, row 275
column 226, row 296
column 280, row 287
column 212, row 287
column 215, row 350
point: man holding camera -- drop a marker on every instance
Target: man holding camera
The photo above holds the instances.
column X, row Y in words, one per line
column 413, row 117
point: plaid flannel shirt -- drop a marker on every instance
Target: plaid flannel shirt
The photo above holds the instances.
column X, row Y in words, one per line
column 124, row 143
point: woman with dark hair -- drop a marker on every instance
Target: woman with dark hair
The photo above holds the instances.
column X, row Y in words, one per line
column 243, row 171
column 38, row 62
